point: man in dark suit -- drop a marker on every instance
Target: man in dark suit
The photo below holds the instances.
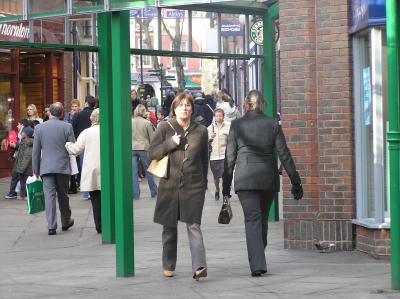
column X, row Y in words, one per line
column 253, row 142
column 51, row 161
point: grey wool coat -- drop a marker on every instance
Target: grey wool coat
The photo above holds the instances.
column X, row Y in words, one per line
column 181, row 195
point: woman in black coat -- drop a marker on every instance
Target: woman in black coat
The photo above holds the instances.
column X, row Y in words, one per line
column 253, row 142
column 181, row 195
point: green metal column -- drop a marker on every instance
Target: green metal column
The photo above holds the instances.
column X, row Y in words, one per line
column 269, row 79
column 122, row 142
column 393, row 136
column 106, row 129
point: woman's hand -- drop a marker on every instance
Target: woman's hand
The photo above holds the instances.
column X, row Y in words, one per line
column 176, row 138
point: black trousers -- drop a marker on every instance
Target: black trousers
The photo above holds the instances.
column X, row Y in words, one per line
column 256, row 205
column 95, row 197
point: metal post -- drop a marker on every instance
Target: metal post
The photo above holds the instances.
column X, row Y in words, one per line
column 106, row 129
column 122, row 145
column 269, row 80
column 393, row 135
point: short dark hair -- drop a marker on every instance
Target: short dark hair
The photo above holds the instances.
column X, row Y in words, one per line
column 91, row 101
column 56, row 109
column 220, row 111
column 179, row 99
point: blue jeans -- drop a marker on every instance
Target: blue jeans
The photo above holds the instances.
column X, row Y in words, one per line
column 144, row 158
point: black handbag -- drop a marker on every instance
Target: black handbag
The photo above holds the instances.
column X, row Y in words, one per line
column 225, row 215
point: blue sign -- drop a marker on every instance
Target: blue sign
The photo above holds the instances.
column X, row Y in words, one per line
column 231, row 27
column 148, row 12
column 367, row 96
column 175, row 14
column 365, row 13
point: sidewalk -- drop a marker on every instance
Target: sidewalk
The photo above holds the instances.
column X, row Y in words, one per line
column 74, row 264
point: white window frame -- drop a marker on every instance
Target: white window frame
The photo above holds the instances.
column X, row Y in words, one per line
column 379, row 146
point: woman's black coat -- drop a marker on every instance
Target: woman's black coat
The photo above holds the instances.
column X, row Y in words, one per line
column 181, row 195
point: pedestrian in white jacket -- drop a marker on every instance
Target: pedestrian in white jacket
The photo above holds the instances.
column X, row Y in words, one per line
column 218, row 134
column 88, row 143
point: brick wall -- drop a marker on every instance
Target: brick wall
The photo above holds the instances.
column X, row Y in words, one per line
column 317, row 120
column 373, row 241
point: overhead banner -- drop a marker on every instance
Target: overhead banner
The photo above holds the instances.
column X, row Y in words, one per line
column 366, row 13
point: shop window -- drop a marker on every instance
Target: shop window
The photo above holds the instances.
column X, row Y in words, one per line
column 371, row 119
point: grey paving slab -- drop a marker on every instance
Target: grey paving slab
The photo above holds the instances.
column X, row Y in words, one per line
column 74, row 264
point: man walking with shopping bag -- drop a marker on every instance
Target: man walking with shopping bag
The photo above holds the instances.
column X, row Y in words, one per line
column 51, row 161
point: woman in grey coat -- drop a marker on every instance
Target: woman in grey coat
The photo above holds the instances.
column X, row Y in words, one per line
column 181, row 195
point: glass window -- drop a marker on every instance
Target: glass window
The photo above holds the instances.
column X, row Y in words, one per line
column 174, row 28
column 144, row 24
column 6, row 107
column 371, row 120
column 10, row 9
column 233, row 33
column 92, row 5
column 50, row 30
column 44, row 8
column 204, row 32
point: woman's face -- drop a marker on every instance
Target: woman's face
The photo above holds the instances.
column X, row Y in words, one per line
column 30, row 111
column 184, row 110
column 219, row 117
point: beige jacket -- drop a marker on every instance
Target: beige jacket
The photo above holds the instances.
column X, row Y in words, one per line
column 88, row 143
column 219, row 141
column 142, row 131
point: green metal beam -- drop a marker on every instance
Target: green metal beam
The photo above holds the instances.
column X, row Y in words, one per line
column 393, row 135
column 122, row 142
column 226, row 8
column 269, row 80
column 151, row 52
column 106, row 129
column 65, row 47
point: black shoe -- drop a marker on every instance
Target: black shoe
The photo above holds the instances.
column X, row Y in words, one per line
column 52, row 232
column 72, row 191
column 70, row 223
column 216, row 196
column 11, row 196
column 98, row 230
column 258, row 273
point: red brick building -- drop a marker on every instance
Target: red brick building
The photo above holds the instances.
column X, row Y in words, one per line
column 317, row 103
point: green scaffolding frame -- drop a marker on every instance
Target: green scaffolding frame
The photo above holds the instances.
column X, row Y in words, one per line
column 114, row 97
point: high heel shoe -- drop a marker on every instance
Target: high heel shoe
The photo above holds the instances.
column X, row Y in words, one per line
column 201, row 272
column 168, row 273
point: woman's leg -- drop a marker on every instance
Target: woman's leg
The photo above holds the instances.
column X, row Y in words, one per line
column 135, row 178
column 196, row 246
column 250, row 201
column 95, row 197
column 169, row 242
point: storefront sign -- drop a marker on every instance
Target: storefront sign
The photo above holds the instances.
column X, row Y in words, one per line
column 148, row 13
column 257, row 32
column 231, row 27
column 365, row 13
column 175, row 14
column 14, row 32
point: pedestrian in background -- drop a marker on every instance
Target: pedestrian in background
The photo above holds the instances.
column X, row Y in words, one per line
column 253, row 142
column 88, row 143
column 75, row 109
column 23, row 161
column 142, row 132
column 13, row 148
column 32, row 113
column 51, row 161
column 226, row 103
column 218, row 134
column 181, row 195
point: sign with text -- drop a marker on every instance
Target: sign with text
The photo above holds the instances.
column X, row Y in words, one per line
column 231, row 27
column 17, row 32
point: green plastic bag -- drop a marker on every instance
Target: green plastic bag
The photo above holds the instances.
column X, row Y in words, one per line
column 34, row 190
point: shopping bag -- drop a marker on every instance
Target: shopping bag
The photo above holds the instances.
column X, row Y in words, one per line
column 34, row 190
column 74, row 165
column 159, row 168
column 225, row 215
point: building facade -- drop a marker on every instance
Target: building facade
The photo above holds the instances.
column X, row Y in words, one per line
column 334, row 111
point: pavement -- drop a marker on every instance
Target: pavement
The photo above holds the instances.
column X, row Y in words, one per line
column 75, row 263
